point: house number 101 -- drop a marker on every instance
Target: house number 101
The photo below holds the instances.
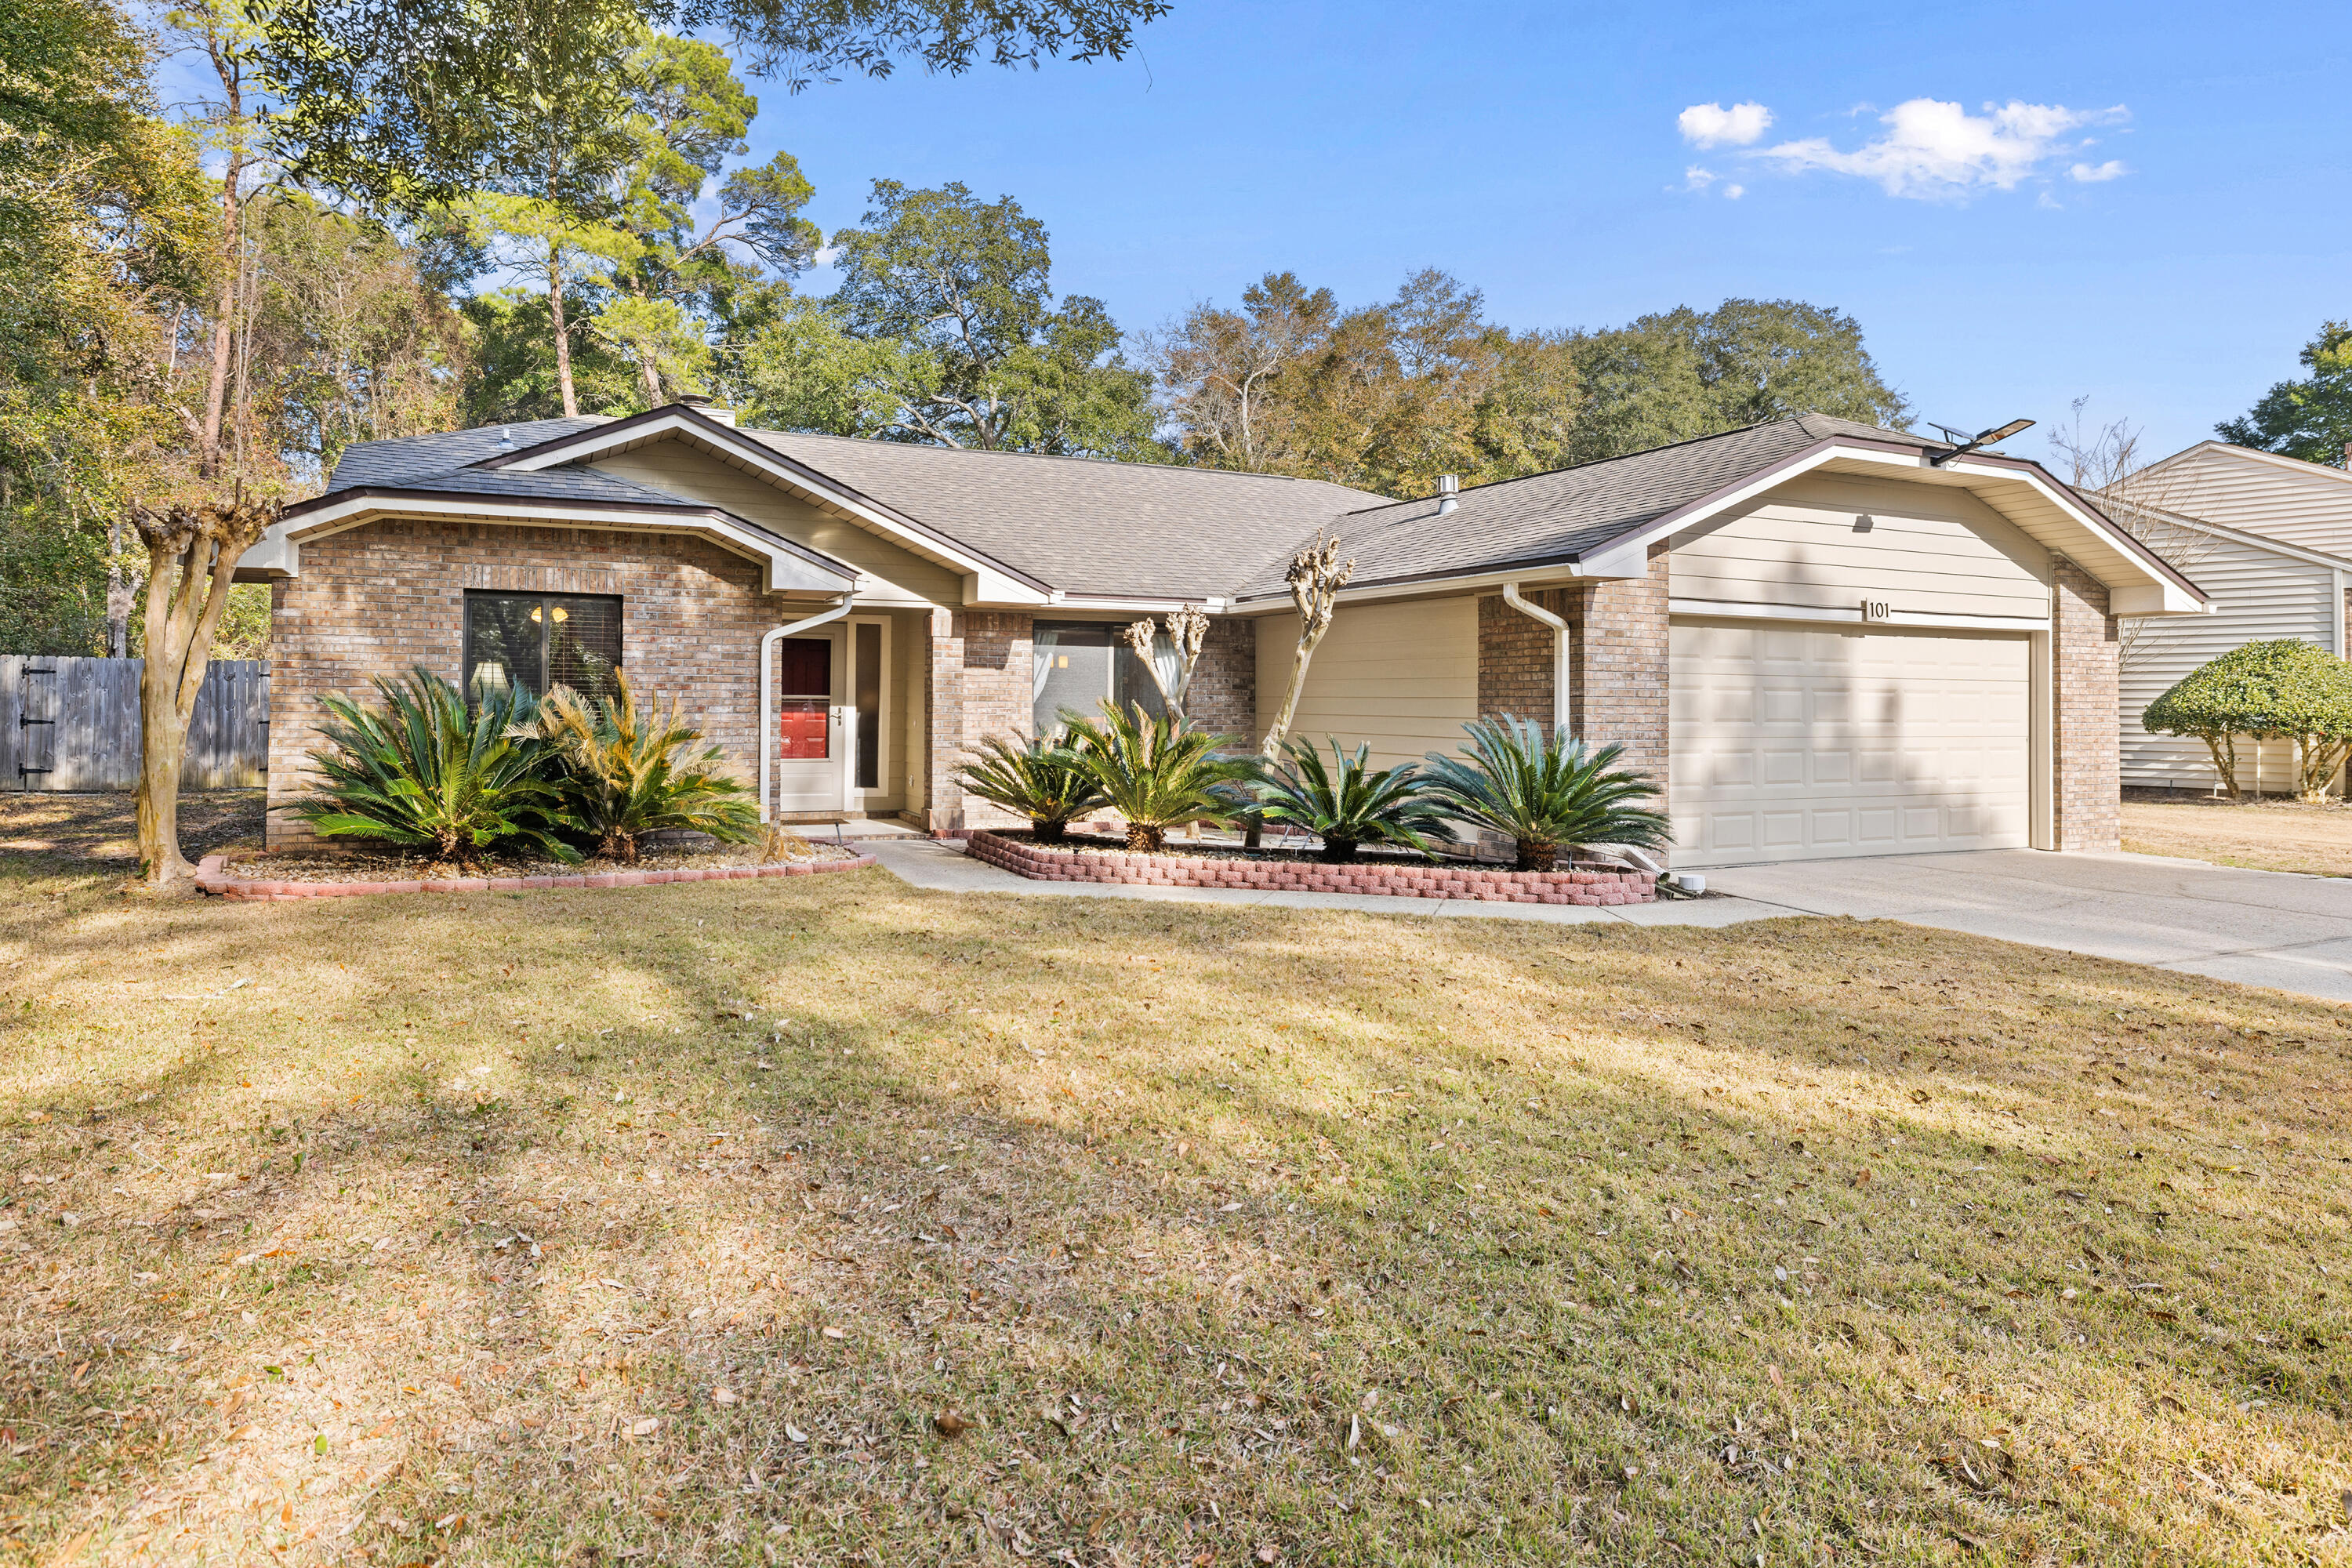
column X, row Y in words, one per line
column 1873, row 609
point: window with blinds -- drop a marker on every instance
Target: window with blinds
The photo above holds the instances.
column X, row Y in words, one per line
column 538, row 641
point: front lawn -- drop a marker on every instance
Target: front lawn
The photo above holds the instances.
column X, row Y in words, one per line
column 826, row 1221
column 2267, row 835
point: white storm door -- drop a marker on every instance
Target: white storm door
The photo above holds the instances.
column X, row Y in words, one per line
column 1796, row 744
column 811, row 732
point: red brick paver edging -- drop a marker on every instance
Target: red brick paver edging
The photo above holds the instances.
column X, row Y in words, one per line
column 1577, row 886
column 213, row 878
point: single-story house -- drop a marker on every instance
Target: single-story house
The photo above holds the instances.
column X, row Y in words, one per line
column 2270, row 539
column 1822, row 637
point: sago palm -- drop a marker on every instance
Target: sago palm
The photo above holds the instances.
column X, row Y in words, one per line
column 1039, row 777
column 1542, row 791
column 422, row 770
column 629, row 771
column 1156, row 773
column 1353, row 805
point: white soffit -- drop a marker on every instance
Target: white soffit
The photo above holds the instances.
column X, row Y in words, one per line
column 783, row 571
column 994, row 582
column 2136, row 585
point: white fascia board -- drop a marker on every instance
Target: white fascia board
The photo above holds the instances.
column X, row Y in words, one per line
column 1912, row 620
column 988, row 589
column 1118, row 604
column 272, row 557
column 1550, row 575
column 781, row 570
column 2147, row 590
column 1001, row 586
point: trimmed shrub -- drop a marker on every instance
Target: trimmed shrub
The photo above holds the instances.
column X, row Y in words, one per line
column 422, row 770
column 1354, row 803
column 2286, row 689
column 1544, row 791
column 626, row 771
column 1036, row 776
column 1158, row 773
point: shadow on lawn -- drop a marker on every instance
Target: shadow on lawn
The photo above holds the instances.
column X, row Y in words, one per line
column 1219, row 1219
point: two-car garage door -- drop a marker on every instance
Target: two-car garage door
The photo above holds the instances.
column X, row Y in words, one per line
column 1800, row 744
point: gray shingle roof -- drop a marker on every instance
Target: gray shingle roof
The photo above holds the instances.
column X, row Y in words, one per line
column 1147, row 530
column 1081, row 524
column 409, row 458
column 1562, row 514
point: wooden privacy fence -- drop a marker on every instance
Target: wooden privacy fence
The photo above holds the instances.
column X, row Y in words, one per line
column 73, row 724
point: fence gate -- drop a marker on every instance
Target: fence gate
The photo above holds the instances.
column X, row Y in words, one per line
column 73, row 724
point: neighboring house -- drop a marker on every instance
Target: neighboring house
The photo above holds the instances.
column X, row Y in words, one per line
column 2270, row 539
column 1825, row 639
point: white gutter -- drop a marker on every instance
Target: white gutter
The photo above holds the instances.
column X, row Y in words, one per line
column 768, row 697
column 1559, row 650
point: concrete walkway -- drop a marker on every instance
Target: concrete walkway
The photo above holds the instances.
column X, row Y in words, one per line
column 2257, row 928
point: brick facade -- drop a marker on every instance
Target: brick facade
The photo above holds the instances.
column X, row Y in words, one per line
column 1518, row 664
column 982, row 665
column 1617, row 657
column 1223, row 697
column 1616, row 663
column 2087, row 809
column 389, row 595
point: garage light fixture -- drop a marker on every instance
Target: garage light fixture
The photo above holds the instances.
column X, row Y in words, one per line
column 1981, row 439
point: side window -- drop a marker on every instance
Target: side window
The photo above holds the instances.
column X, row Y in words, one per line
column 539, row 640
column 1078, row 665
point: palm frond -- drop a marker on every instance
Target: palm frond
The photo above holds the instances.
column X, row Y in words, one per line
column 1355, row 804
column 1542, row 791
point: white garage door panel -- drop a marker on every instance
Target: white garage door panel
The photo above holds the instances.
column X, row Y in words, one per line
column 1792, row 744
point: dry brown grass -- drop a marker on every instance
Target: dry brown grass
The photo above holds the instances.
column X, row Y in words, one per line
column 1224, row 1236
column 2268, row 836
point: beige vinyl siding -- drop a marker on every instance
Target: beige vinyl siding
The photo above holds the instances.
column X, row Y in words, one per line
column 692, row 475
column 2294, row 502
column 1401, row 676
column 2257, row 596
column 1928, row 552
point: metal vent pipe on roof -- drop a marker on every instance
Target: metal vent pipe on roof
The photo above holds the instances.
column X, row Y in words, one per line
column 1449, row 493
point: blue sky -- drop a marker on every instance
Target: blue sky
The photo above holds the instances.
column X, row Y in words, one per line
column 1543, row 154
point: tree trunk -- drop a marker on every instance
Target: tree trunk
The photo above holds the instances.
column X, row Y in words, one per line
column 217, row 377
column 562, row 334
column 192, row 552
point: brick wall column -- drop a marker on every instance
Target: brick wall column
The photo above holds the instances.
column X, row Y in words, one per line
column 2086, row 741
column 982, row 662
column 1516, row 666
column 1223, row 697
column 1617, row 666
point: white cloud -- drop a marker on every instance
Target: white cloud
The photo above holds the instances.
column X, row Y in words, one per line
column 1933, row 149
column 1712, row 125
column 1733, row 193
column 1698, row 179
column 2093, row 174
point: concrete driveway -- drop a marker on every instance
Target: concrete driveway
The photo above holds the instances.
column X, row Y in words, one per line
column 2258, row 928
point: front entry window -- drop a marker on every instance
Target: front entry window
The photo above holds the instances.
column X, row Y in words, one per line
column 806, row 704
column 538, row 641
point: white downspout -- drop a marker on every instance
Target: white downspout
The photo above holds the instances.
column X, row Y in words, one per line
column 1559, row 650
column 767, row 692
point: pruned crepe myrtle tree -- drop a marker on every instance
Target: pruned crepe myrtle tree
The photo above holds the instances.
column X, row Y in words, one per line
column 192, row 552
column 1315, row 577
column 1188, row 633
